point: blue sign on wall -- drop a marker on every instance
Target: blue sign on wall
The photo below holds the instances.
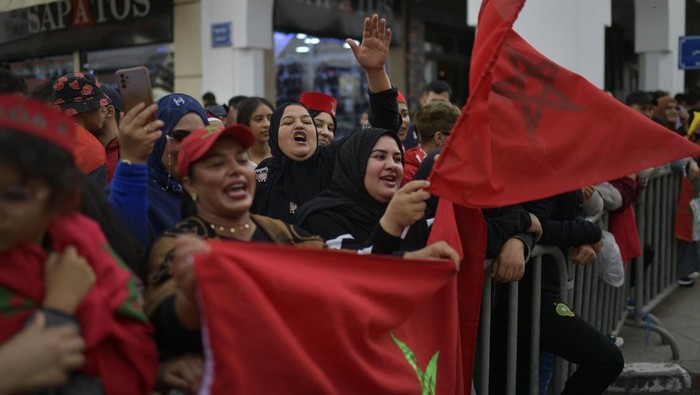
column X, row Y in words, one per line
column 689, row 53
column 221, row 34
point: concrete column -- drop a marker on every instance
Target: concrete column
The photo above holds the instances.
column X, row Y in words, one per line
column 186, row 40
column 658, row 25
column 573, row 35
column 238, row 69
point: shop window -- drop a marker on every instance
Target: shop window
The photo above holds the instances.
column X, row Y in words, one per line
column 157, row 58
column 38, row 71
column 306, row 63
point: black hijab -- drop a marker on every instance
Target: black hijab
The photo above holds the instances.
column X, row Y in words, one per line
column 283, row 184
column 348, row 201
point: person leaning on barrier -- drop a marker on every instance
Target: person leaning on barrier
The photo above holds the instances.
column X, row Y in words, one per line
column 562, row 332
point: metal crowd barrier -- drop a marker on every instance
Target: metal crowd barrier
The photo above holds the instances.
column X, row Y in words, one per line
column 605, row 307
column 656, row 209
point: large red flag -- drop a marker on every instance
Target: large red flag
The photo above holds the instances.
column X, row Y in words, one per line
column 532, row 129
column 283, row 320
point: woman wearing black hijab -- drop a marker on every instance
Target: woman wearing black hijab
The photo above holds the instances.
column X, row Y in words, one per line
column 364, row 206
column 298, row 170
column 289, row 179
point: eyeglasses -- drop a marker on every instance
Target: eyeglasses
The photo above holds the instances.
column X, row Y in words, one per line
column 178, row 135
column 18, row 194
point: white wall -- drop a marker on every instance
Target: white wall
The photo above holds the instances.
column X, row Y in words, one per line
column 186, row 41
column 569, row 32
column 572, row 34
column 659, row 24
column 240, row 68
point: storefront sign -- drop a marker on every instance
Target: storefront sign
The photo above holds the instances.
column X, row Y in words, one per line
column 335, row 18
column 67, row 25
column 221, row 34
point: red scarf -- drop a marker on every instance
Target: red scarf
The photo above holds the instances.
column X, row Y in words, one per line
column 119, row 348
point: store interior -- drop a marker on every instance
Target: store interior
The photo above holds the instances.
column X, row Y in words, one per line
column 307, row 63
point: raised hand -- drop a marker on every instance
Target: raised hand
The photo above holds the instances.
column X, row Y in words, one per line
column 138, row 132
column 372, row 53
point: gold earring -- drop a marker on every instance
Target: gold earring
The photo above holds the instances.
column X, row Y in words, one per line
column 193, row 195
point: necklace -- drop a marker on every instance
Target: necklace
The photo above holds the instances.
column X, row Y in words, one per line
column 231, row 229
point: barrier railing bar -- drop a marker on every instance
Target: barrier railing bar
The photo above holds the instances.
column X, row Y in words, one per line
column 511, row 363
column 668, row 236
column 646, row 285
column 658, row 299
column 535, row 324
column 639, row 279
column 587, row 296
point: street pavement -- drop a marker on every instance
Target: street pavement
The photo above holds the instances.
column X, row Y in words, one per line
column 643, row 351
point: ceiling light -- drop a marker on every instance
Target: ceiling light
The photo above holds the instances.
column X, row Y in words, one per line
column 301, row 36
column 302, row 49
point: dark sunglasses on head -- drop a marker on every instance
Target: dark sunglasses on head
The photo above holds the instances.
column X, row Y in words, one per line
column 178, row 135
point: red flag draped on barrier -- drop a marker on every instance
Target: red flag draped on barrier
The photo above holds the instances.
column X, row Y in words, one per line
column 282, row 320
column 532, row 129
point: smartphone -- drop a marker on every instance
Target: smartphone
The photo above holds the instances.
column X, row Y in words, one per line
column 134, row 87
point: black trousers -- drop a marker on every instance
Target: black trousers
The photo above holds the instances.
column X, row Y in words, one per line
column 562, row 332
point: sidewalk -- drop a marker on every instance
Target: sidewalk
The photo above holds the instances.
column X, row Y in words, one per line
column 680, row 315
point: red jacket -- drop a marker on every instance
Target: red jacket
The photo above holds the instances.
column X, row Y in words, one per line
column 412, row 160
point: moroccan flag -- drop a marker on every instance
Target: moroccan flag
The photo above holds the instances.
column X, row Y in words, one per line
column 284, row 320
column 532, row 129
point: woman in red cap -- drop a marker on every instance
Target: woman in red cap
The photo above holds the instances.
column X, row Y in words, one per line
column 220, row 185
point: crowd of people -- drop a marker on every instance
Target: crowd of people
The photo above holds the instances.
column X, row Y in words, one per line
column 101, row 210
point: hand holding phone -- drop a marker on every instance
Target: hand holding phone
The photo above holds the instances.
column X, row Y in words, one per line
column 138, row 127
column 134, row 87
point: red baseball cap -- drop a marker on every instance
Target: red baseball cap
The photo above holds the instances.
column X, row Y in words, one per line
column 38, row 119
column 319, row 102
column 199, row 142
